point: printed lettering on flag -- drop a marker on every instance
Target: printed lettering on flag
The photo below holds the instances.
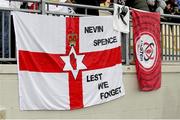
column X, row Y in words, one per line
column 146, row 32
column 67, row 63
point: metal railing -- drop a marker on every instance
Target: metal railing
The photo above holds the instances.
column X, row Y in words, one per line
column 170, row 41
column 170, row 32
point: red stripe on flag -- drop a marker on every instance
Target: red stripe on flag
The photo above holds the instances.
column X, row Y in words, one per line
column 40, row 62
column 75, row 86
column 72, row 33
column 103, row 59
column 45, row 62
column 75, row 91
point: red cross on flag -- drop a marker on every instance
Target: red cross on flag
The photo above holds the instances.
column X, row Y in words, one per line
column 67, row 63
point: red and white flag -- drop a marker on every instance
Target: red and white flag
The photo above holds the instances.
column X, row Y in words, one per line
column 147, row 49
column 67, row 63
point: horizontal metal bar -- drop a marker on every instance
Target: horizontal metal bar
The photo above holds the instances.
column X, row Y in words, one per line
column 79, row 6
column 73, row 5
column 42, row 11
column 25, row 0
column 172, row 55
column 67, row 14
column 169, row 23
column 7, row 59
column 20, row 10
column 171, row 16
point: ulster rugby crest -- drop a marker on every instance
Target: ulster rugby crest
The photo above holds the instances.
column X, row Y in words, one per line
column 146, row 50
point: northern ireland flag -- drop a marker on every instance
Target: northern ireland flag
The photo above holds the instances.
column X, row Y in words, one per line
column 67, row 63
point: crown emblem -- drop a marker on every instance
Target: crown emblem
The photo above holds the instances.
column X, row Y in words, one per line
column 72, row 37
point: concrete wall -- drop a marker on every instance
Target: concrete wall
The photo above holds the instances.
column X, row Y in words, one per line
column 163, row 103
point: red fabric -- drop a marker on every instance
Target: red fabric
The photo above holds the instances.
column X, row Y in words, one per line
column 147, row 24
column 34, row 6
column 73, row 61
column 75, row 86
column 53, row 63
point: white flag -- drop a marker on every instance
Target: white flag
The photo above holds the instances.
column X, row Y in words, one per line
column 121, row 18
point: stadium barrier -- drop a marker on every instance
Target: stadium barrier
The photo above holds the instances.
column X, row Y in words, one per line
column 170, row 32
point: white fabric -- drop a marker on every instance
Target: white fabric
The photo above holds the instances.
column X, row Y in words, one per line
column 115, row 71
column 14, row 4
column 50, row 91
column 32, row 33
column 58, row 8
column 86, row 44
column 43, row 91
column 151, row 2
column 160, row 10
column 118, row 24
column 162, row 4
column 4, row 3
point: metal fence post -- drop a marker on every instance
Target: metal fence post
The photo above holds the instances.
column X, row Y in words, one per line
column 3, row 36
column 43, row 3
column 9, row 22
column 127, row 48
column 86, row 11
